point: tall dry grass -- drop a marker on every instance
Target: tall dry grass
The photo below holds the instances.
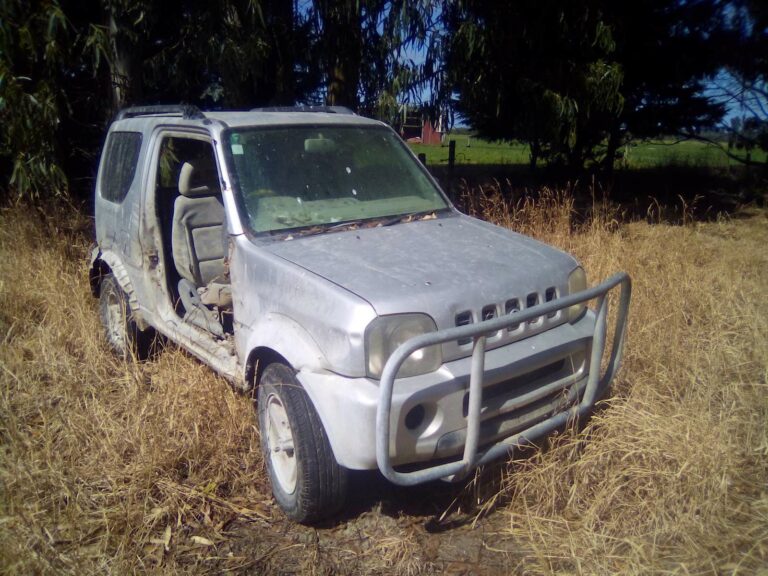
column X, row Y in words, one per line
column 672, row 475
column 114, row 467
column 104, row 464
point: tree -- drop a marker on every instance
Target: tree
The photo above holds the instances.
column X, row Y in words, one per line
column 540, row 72
column 67, row 66
column 365, row 51
column 235, row 53
column 577, row 79
column 45, row 80
column 668, row 51
column 742, row 84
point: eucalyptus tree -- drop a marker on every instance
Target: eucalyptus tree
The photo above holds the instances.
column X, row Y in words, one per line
column 370, row 53
column 67, row 65
column 42, row 82
column 538, row 71
column 669, row 51
column 577, row 79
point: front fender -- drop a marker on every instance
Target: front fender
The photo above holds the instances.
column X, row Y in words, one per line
column 283, row 335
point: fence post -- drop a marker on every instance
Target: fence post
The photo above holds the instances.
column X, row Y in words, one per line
column 423, row 158
column 451, row 154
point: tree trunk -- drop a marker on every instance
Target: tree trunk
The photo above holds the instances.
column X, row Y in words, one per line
column 535, row 146
column 614, row 140
column 342, row 38
column 127, row 82
column 283, row 41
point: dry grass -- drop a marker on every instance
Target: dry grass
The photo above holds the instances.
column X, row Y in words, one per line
column 672, row 476
column 103, row 463
column 119, row 467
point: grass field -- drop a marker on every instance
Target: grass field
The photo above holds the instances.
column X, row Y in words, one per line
column 117, row 467
column 689, row 153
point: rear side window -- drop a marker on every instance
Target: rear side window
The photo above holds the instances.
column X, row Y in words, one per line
column 122, row 154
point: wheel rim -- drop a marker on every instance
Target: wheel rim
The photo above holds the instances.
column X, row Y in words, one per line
column 115, row 321
column 280, row 441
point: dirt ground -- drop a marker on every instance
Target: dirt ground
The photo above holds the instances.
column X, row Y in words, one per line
column 384, row 530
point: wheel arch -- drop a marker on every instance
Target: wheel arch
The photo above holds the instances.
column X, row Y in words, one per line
column 99, row 268
column 103, row 263
column 279, row 338
column 258, row 359
column 262, row 356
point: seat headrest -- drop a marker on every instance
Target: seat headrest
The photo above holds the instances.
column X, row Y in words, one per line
column 200, row 179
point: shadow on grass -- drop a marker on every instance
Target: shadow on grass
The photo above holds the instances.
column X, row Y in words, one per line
column 440, row 505
column 443, row 506
column 672, row 194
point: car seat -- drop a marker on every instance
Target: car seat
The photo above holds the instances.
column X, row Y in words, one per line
column 199, row 244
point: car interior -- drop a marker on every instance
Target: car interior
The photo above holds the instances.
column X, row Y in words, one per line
column 192, row 217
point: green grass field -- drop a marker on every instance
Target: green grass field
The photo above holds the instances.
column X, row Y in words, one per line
column 649, row 154
column 471, row 150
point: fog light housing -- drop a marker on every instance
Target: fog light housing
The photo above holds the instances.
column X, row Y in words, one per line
column 415, row 417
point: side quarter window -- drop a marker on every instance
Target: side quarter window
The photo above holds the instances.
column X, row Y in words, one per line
column 121, row 157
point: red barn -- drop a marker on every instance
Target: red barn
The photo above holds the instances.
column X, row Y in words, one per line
column 417, row 127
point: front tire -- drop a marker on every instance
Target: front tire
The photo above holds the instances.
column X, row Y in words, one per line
column 307, row 482
column 123, row 335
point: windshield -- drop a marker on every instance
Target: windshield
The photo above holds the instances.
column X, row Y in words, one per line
column 316, row 178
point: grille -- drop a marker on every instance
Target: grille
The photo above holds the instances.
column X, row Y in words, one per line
column 530, row 301
column 550, row 295
column 464, row 319
column 510, row 306
column 500, row 425
column 489, row 312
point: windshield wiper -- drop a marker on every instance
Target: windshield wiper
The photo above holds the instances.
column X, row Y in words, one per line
column 364, row 223
column 329, row 227
column 405, row 218
column 360, row 223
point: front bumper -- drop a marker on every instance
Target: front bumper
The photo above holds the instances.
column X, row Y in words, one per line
column 472, row 410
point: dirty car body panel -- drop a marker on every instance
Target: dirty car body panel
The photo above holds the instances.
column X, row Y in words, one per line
column 428, row 342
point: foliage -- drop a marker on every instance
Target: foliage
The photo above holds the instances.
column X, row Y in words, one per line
column 669, row 52
column 744, row 81
column 536, row 71
column 32, row 49
column 66, row 67
column 567, row 77
column 366, row 51
column 574, row 80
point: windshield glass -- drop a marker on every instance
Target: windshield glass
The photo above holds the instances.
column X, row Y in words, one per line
column 292, row 177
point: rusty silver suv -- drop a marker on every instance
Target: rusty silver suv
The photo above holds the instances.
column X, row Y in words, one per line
column 307, row 256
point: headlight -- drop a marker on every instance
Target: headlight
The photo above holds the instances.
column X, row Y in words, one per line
column 577, row 282
column 386, row 333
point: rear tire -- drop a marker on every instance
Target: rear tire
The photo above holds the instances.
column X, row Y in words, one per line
column 123, row 334
column 307, row 482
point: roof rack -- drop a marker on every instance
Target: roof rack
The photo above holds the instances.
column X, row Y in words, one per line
column 326, row 109
column 187, row 111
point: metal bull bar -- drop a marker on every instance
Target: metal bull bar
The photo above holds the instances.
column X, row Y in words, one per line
column 478, row 332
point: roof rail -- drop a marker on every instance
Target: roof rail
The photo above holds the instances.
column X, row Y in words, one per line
column 187, row 111
column 326, row 109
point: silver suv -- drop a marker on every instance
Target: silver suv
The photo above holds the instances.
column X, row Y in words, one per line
column 306, row 255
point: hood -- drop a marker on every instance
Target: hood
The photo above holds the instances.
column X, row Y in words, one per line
column 440, row 267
